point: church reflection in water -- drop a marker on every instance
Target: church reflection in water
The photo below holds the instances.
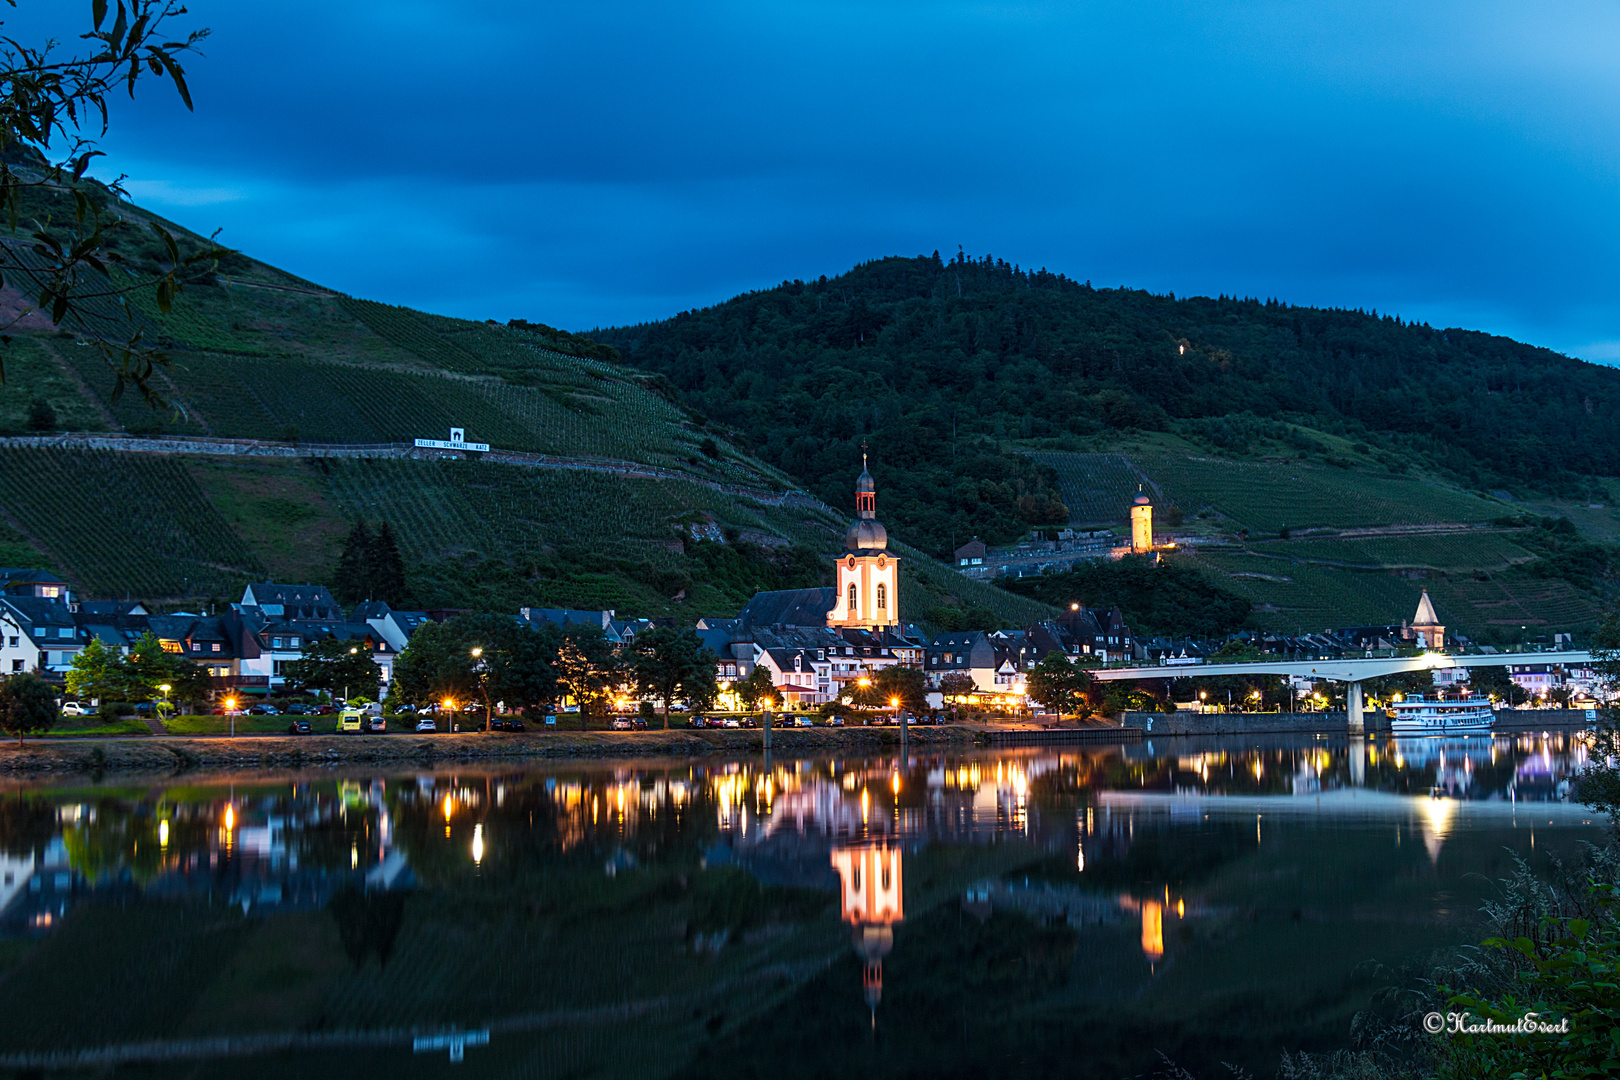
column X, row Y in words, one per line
column 872, row 900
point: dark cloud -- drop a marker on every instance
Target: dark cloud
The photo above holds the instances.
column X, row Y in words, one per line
column 603, row 163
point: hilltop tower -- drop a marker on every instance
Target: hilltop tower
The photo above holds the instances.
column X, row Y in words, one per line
column 868, row 596
column 1141, row 523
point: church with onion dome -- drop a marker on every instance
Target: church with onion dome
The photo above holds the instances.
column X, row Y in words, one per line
column 817, row 643
column 867, row 596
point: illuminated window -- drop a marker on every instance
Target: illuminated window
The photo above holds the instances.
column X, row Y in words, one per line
column 171, row 646
column 51, row 591
column 216, row 646
column 852, row 597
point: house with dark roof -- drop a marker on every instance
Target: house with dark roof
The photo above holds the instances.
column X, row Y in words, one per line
column 292, row 601
column 44, row 584
column 788, row 607
column 37, row 634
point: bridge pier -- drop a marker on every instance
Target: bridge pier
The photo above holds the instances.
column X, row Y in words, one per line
column 1352, row 708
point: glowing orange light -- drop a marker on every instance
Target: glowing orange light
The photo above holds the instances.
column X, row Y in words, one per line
column 230, row 817
column 449, row 807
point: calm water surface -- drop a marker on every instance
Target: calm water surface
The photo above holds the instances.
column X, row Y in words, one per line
column 959, row 914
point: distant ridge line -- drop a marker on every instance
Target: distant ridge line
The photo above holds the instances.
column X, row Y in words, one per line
column 187, row 444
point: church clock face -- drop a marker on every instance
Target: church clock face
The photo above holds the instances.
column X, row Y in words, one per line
column 882, row 562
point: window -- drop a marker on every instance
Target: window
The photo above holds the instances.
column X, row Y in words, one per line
column 275, row 643
column 216, row 646
column 16, row 665
column 64, row 631
column 852, row 597
column 12, row 641
column 293, row 642
column 883, row 597
column 50, row 591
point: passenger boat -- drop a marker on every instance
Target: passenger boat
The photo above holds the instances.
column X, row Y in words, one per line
column 1420, row 715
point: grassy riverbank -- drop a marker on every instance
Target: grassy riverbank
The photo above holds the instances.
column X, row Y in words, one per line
column 158, row 753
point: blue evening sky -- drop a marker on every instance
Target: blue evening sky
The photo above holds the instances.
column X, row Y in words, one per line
column 600, row 163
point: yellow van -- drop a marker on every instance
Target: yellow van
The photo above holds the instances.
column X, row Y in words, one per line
column 349, row 721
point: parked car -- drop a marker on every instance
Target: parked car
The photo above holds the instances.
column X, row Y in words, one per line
column 506, row 723
column 73, row 708
column 802, row 721
column 299, row 726
column 349, row 721
column 732, row 722
column 405, row 710
column 375, row 725
column 835, row 721
column 708, row 721
column 622, row 724
column 426, row 726
column 264, row 708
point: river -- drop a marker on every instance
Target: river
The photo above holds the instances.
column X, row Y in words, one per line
column 1081, row 912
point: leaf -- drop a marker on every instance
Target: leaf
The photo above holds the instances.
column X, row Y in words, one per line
column 98, row 12
column 115, row 40
column 168, row 242
column 165, row 296
column 178, row 75
column 1578, row 928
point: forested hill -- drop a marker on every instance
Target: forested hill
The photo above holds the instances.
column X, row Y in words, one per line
column 949, row 368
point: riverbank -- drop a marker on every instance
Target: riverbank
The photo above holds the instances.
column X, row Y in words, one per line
column 182, row 753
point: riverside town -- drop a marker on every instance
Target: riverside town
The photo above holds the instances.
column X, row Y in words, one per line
column 707, row 543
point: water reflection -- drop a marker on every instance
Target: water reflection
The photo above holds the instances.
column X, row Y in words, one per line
column 512, row 912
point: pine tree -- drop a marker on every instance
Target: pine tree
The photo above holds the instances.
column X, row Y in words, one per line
column 352, row 581
column 386, row 567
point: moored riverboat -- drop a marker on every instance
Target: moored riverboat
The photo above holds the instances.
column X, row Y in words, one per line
column 1438, row 715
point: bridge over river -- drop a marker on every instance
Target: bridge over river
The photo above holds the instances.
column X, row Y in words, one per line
column 1349, row 672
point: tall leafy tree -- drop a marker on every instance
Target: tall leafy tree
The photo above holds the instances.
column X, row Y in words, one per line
column 906, row 685
column 1060, row 684
column 27, row 705
column 96, row 673
column 385, row 567
column 673, row 664
column 587, row 668
column 434, row 666
column 351, row 580
column 336, row 666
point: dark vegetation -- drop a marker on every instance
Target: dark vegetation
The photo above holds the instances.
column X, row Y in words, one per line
column 1164, row 600
column 940, row 365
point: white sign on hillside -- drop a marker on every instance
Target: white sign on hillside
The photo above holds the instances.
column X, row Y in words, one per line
column 457, row 441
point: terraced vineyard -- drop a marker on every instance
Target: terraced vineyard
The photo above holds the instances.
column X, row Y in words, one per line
column 1269, row 495
column 123, row 524
column 1451, row 552
column 1097, row 488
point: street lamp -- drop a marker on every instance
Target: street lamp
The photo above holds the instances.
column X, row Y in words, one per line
column 477, row 652
column 230, row 711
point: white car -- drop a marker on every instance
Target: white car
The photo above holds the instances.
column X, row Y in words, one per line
column 426, row 726
column 73, row 708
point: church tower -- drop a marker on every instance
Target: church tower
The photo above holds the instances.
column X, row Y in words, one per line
column 1141, row 523
column 868, row 576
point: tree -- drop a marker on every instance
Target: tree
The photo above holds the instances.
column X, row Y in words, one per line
column 27, row 704
column 370, row 566
column 906, row 685
column 586, row 668
column 96, row 673
column 435, row 666
column 667, row 662
column 758, row 686
column 385, row 567
column 146, row 668
column 523, row 674
column 57, row 103
column 41, row 417
column 350, row 583
column 956, row 685
column 333, row 665
column 1060, row 684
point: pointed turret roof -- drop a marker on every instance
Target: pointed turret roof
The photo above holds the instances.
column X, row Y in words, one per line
column 1425, row 613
